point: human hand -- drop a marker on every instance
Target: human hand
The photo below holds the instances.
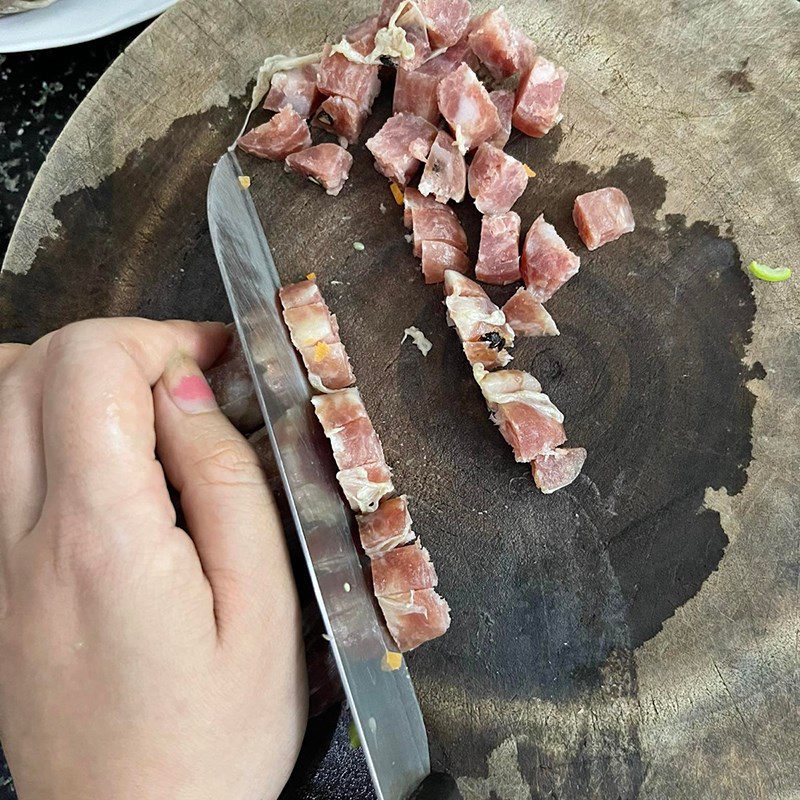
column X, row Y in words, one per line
column 139, row 661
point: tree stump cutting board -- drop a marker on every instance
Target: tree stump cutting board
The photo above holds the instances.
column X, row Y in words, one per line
column 635, row 634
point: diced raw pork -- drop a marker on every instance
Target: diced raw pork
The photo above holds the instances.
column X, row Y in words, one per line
column 553, row 471
column 526, row 417
column 364, row 487
column 386, row 528
column 438, row 257
column 310, row 324
column 415, row 93
column 342, row 117
column 538, row 98
column 465, row 104
column 496, row 180
column 447, row 20
column 403, row 569
column 412, row 200
column 328, row 366
column 480, row 324
column 336, row 75
column 229, row 379
column 445, row 173
column 547, row 262
column 356, row 444
column 503, row 100
column 303, row 293
column 337, row 409
column 438, row 224
column 442, row 65
column 602, row 216
column 498, row 255
column 527, row 316
column 326, row 164
column 287, row 132
column 415, row 617
column 501, row 48
column 296, row 88
column 400, row 145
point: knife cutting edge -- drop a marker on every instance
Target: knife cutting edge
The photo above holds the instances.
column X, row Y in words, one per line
column 383, row 703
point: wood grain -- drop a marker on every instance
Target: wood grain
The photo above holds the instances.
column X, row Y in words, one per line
column 634, row 635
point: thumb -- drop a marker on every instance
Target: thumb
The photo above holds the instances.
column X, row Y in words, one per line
column 229, row 509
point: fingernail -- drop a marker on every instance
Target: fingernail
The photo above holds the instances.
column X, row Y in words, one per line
column 187, row 386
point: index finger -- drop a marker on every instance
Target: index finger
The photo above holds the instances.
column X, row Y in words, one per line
column 97, row 409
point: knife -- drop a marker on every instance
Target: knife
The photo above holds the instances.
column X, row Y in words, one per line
column 382, row 701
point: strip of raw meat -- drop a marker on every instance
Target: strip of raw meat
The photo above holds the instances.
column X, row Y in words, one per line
column 480, row 324
column 438, row 224
column 326, row 164
column 415, row 617
column 496, row 180
column 438, row 257
column 503, row 100
column 415, row 93
column 445, row 173
column 527, row 316
column 287, row 132
column 229, row 379
column 303, row 293
column 468, row 109
column 337, row 409
column 447, row 20
column 602, row 216
column 498, row 254
column 547, row 262
column 364, row 487
column 315, row 333
column 356, row 444
column 412, row 200
column 296, row 88
column 341, row 117
column 341, row 77
column 553, row 471
column 526, row 417
column 403, row 569
column 500, row 46
column 386, row 528
column 442, row 65
column 400, row 145
column 538, row 98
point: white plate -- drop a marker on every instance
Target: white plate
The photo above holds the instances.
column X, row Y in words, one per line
column 72, row 21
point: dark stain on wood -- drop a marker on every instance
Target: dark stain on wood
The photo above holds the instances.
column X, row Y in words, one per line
column 739, row 79
column 550, row 594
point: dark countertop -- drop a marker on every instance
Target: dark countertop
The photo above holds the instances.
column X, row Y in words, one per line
column 38, row 93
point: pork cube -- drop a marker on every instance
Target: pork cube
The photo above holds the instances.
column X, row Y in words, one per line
column 547, row 262
column 538, row 98
column 438, row 257
column 503, row 100
column 326, row 164
column 602, row 216
column 296, row 88
column 403, row 569
column 445, row 173
column 446, row 20
column 527, row 316
column 438, row 224
column 342, row 117
column 338, row 76
column 553, row 471
column 468, row 109
column 386, row 528
column 287, row 132
column 498, row 254
column 415, row 617
column 502, row 48
column 496, row 180
column 400, row 145
column 415, row 93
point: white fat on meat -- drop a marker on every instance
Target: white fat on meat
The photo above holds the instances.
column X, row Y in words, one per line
column 514, row 386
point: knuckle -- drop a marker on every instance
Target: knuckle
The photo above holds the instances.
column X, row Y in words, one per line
column 228, row 461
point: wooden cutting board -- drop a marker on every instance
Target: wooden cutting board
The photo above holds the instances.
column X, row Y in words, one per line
column 635, row 634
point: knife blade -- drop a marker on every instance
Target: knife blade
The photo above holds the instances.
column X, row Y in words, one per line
column 383, row 703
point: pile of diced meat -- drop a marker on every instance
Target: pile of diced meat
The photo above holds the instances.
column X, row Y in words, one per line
column 403, row 577
column 461, row 84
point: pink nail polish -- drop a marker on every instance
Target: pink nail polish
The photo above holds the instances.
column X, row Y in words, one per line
column 188, row 388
